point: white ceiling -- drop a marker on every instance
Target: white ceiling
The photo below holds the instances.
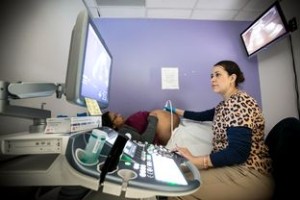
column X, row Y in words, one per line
column 240, row 10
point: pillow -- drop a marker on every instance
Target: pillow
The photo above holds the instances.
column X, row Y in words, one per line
column 194, row 135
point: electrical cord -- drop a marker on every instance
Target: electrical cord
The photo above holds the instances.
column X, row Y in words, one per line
column 295, row 74
column 169, row 104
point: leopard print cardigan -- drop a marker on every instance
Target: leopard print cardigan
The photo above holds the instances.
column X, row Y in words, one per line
column 242, row 110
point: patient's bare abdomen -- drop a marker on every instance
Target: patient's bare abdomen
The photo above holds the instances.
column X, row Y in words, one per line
column 163, row 129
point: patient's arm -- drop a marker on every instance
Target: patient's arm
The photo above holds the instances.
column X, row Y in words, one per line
column 159, row 127
column 133, row 132
column 147, row 136
column 149, row 133
column 163, row 129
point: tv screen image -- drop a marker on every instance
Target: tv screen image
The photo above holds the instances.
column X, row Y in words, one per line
column 266, row 29
column 89, row 65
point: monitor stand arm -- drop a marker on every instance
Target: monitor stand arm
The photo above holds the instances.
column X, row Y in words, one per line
column 22, row 90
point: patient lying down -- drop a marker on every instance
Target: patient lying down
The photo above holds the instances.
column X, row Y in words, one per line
column 152, row 127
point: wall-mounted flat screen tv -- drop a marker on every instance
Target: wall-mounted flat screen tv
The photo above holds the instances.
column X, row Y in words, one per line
column 269, row 27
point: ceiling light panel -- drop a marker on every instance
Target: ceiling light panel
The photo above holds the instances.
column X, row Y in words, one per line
column 221, row 4
column 169, row 13
column 214, row 15
column 121, row 2
column 183, row 4
column 122, row 12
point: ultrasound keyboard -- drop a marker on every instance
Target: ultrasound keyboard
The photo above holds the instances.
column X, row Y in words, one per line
column 154, row 162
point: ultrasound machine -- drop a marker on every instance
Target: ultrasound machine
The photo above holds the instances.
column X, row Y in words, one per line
column 140, row 170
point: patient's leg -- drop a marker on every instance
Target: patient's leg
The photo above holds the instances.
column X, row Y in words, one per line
column 163, row 130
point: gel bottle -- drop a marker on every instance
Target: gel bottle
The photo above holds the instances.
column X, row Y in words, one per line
column 94, row 147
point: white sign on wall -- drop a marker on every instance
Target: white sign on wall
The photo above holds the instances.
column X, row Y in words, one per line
column 169, row 78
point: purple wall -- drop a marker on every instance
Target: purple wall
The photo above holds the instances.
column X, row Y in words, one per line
column 141, row 47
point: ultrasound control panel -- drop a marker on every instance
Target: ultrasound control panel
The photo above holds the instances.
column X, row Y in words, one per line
column 153, row 163
column 142, row 168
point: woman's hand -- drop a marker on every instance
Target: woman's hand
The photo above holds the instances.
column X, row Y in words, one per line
column 202, row 162
column 185, row 153
column 170, row 109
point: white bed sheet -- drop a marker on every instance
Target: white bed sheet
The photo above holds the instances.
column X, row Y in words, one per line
column 196, row 136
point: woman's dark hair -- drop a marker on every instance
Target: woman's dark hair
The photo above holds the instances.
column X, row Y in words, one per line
column 106, row 120
column 232, row 68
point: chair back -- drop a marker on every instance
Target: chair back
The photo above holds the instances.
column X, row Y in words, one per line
column 284, row 147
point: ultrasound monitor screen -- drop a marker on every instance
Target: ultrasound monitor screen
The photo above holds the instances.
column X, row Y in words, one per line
column 95, row 81
column 89, row 64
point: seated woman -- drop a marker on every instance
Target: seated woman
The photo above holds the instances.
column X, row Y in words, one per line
column 152, row 127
